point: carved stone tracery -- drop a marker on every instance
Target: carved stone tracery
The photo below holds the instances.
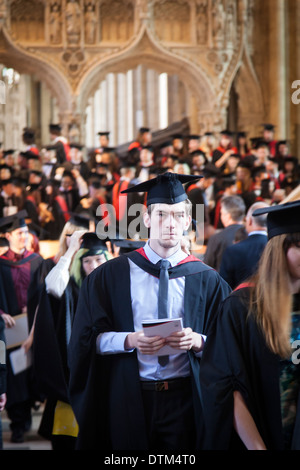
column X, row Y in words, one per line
column 78, row 39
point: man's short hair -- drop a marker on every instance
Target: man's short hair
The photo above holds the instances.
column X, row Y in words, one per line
column 235, row 206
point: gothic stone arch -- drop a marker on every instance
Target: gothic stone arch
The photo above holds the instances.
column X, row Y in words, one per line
column 24, row 61
column 145, row 50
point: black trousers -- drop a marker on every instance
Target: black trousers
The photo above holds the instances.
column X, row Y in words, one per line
column 20, row 415
column 170, row 419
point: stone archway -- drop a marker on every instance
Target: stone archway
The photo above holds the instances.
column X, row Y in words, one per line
column 26, row 62
column 145, row 50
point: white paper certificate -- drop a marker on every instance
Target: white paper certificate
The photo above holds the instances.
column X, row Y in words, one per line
column 163, row 327
column 16, row 335
column 20, row 360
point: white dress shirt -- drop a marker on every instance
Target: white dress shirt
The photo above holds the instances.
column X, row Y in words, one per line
column 58, row 278
column 144, row 295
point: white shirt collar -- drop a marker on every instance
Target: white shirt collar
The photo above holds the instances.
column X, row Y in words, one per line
column 178, row 256
column 259, row 232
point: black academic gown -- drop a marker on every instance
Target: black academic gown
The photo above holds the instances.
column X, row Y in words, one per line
column 20, row 386
column 50, row 361
column 236, row 357
column 105, row 390
column 2, row 362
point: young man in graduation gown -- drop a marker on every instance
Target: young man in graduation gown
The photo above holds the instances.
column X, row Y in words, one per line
column 17, row 266
column 125, row 396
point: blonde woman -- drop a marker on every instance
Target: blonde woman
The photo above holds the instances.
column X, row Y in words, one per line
column 54, row 320
column 250, row 372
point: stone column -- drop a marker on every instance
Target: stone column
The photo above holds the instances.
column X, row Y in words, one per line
column 121, row 109
column 152, row 105
column 130, row 103
column 278, row 63
column 294, row 67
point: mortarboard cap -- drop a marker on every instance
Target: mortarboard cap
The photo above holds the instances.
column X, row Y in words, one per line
column 75, row 145
column 143, row 130
column 166, row 188
column 242, row 134
column 55, row 127
column 103, row 133
column 127, row 163
column 268, row 127
column 226, row 132
column 281, row 219
column 228, row 179
column 28, row 132
column 8, row 152
column 92, row 242
column 13, row 222
column 173, row 156
column 165, row 144
column 177, row 136
column 29, row 155
column 193, row 137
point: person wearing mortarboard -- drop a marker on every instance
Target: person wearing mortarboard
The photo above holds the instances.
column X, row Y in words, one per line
column 143, row 139
column 122, row 202
column 8, row 202
column 17, row 266
column 60, row 144
column 8, row 157
column 204, row 192
column 224, row 150
column 253, row 353
column 103, row 141
column 95, row 155
column 242, row 144
column 178, row 145
column 289, row 174
column 268, row 136
column 28, row 138
column 116, row 375
column 53, row 326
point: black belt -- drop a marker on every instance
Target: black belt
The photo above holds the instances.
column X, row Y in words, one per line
column 165, row 385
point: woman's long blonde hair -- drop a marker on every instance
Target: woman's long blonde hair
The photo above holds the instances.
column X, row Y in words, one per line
column 271, row 298
column 69, row 229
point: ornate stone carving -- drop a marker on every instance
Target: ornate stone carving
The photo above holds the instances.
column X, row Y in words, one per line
column 73, row 60
column 73, row 22
column 200, row 40
column 218, row 23
column 90, row 22
column 117, row 20
column 202, row 23
column 172, row 20
column 27, row 20
column 55, row 23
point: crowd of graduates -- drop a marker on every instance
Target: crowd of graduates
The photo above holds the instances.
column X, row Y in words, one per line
column 65, row 177
column 56, row 192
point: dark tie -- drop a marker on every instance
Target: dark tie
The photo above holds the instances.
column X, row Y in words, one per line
column 163, row 298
